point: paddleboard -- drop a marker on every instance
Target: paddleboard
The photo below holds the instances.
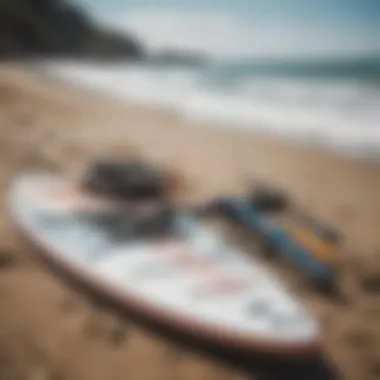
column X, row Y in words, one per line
column 194, row 280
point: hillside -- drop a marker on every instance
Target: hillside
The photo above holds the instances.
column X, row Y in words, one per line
column 53, row 27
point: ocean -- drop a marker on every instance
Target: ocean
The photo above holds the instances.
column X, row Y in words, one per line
column 327, row 103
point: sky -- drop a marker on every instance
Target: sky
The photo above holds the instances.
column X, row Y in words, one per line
column 255, row 28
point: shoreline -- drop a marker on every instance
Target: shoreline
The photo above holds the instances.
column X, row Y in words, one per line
column 350, row 144
column 57, row 125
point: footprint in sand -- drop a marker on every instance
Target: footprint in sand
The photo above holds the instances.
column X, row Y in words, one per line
column 370, row 283
column 374, row 370
column 360, row 339
column 101, row 324
column 7, row 261
column 115, row 330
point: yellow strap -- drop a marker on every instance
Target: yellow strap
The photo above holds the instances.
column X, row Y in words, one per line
column 307, row 239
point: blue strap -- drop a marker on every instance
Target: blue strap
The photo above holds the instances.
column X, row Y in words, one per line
column 282, row 241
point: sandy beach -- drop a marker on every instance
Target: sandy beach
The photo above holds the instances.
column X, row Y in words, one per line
column 47, row 331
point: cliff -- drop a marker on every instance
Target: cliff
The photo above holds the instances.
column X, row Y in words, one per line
column 54, row 27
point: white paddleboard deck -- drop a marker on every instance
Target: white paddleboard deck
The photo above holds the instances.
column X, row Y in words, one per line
column 196, row 277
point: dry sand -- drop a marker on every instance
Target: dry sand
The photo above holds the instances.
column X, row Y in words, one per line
column 47, row 331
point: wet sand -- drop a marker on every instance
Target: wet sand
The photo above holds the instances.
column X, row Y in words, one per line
column 48, row 331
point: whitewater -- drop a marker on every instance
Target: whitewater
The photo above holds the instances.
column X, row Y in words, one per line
column 339, row 114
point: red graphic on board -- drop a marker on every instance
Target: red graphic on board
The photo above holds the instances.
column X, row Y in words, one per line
column 214, row 282
column 223, row 286
column 69, row 197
